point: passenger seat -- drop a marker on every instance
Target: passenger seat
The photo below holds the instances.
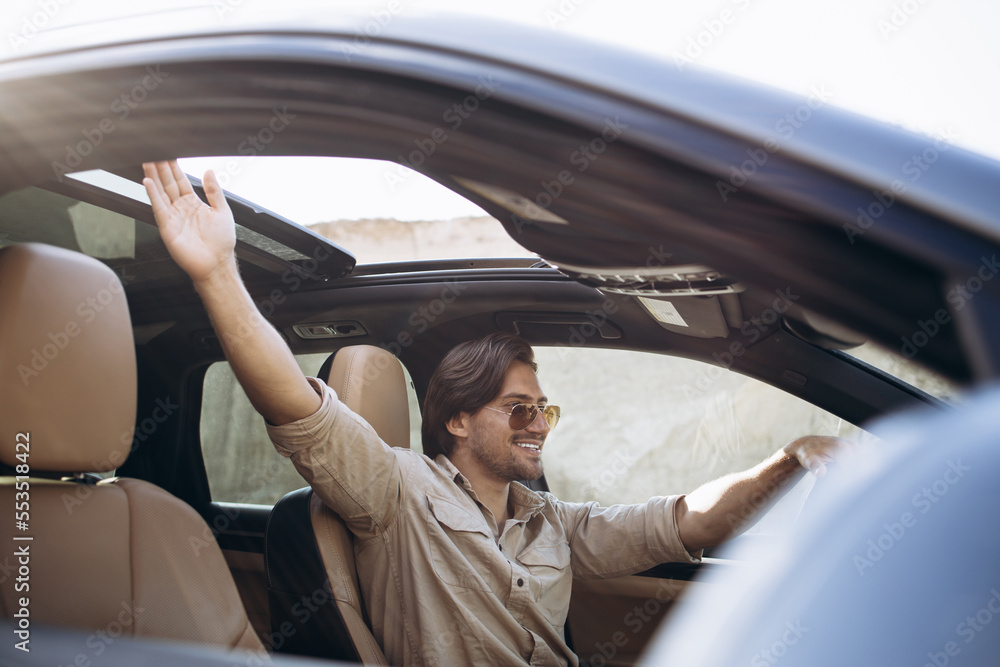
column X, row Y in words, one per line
column 110, row 556
column 309, row 552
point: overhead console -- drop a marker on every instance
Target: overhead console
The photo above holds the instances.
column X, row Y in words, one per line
column 692, row 279
column 682, row 298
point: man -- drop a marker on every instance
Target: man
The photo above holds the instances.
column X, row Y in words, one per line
column 458, row 563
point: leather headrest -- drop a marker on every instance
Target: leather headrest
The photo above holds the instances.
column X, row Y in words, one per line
column 67, row 360
column 370, row 381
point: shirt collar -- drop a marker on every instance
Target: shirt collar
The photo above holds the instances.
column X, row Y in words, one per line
column 454, row 473
column 525, row 500
column 527, row 503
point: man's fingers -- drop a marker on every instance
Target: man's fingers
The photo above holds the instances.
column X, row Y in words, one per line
column 213, row 192
column 149, row 169
column 154, row 188
column 167, row 182
column 183, row 184
column 161, row 210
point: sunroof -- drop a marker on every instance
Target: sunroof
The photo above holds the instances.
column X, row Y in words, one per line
column 135, row 191
column 114, row 183
column 126, row 242
column 269, row 246
column 381, row 211
column 35, row 215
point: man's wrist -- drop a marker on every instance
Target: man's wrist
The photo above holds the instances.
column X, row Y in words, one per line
column 223, row 278
column 789, row 455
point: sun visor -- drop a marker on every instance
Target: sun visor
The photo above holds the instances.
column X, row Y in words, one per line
column 698, row 316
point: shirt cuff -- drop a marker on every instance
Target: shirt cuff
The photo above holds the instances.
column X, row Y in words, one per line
column 671, row 543
column 302, row 433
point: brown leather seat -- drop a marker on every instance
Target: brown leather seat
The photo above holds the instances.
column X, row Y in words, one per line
column 370, row 381
column 112, row 556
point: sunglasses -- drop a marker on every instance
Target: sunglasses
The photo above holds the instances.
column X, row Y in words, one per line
column 523, row 414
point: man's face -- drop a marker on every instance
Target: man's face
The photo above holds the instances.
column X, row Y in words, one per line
column 505, row 454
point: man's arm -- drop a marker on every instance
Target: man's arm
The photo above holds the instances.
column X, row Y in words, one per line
column 720, row 509
column 202, row 239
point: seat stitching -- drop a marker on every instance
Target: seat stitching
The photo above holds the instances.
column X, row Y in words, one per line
column 350, row 372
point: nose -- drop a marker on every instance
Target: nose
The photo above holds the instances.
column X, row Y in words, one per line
column 539, row 424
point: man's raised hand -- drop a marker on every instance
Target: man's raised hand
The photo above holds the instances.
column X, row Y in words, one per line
column 200, row 237
column 813, row 452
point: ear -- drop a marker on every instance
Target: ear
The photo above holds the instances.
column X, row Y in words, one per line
column 458, row 425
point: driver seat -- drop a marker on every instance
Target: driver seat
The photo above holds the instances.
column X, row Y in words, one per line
column 309, row 552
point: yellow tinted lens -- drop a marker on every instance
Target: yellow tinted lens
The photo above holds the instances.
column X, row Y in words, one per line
column 552, row 414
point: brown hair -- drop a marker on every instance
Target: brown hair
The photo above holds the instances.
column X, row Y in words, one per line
column 468, row 378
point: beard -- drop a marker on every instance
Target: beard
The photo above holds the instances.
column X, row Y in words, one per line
column 502, row 458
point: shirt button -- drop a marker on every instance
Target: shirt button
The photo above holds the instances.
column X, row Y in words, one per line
column 520, row 582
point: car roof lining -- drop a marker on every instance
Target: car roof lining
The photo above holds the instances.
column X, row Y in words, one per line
column 618, row 210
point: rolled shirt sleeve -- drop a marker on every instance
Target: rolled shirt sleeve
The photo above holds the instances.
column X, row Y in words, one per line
column 342, row 457
column 623, row 539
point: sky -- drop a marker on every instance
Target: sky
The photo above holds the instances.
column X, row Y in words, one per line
column 927, row 65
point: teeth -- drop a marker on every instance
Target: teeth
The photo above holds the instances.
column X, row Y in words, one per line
column 529, row 445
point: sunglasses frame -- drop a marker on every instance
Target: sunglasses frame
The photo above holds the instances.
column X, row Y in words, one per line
column 533, row 411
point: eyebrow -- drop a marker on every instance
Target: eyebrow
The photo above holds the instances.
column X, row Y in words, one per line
column 523, row 397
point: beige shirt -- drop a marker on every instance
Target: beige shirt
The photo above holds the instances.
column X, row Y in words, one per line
column 440, row 588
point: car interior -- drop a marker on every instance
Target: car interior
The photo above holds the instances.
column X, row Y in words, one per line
column 111, row 368
column 292, row 564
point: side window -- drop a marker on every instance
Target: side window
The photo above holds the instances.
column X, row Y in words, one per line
column 637, row 425
column 241, row 462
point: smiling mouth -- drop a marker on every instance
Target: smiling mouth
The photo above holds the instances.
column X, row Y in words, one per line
column 530, row 446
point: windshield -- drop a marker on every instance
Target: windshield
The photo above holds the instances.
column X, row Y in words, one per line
column 908, row 371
